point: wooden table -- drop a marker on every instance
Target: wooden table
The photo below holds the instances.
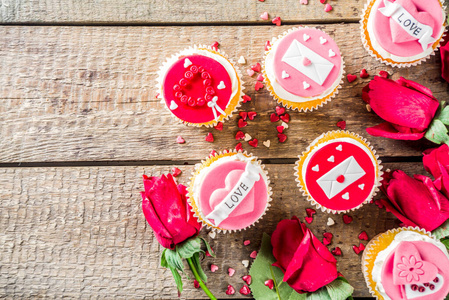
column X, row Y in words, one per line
column 80, row 124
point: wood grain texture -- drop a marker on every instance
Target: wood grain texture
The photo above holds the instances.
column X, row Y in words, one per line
column 173, row 11
column 87, row 94
column 80, row 233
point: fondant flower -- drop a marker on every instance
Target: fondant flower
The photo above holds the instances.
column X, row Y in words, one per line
column 306, row 263
column 166, row 209
column 410, row 268
column 436, row 162
column 407, row 107
column 415, row 201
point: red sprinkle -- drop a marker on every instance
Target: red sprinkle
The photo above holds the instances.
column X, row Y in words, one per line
column 347, row 219
column 253, row 255
column 245, row 289
column 258, row 85
column 310, row 212
column 209, row 137
column 364, row 74
column 213, row 268
column 215, row 45
column 341, row 124
column 180, row 140
column 256, row 67
column 253, row 142
column 274, row 117
column 309, row 219
column 243, row 115
column 246, row 98
column 212, row 153
column 269, row 283
column 363, row 236
column 247, row 242
column 336, row 251
column 323, row 1
column 219, row 126
column 239, row 147
column 267, row 45
column 175, row 171
column 379, row 204
column 230, row 290
column 384, row 74
column 241, row 123
column 247, row 279
column 327, row 238
column 282, row 137
column 351, row 77
column 252, row 115
column 276, row 21
column 285, row 118
column 280, row 110
column 196, row 284
column 358, row 249
column 280, row 128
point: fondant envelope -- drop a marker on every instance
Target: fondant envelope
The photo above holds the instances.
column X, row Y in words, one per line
column 318, row 70
column 349, row 168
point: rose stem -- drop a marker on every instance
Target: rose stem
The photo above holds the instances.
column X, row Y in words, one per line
column 197, row 277
column 275, row 283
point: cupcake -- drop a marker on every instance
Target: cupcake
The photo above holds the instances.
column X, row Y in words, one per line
column 229, row 191
column 338, row 172
column 402, row 33
column 406, row 263
column 303, row 69
column 200, row 86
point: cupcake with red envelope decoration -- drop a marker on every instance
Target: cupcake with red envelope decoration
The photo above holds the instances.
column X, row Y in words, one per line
column 402, row 33
column 406, row 263
column 229, row 191
column 303, row 68
column 338, row 172
column 200, row 86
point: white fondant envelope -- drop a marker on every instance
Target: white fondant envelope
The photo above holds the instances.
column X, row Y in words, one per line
column 349, row 168
column 318, row 70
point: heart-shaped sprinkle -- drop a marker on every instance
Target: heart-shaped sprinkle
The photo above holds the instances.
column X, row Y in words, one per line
column 384, row 74
column 196, row 284
column 253, row 143
column 305, row 37
column 221, row 85
column 209, row 137
column 180, row 140
column 363, row 236
column 239, row 147
column 285, row 118
column 250, row 72
column 256, row 67
column 364, row 74
column 358, row 249
column 247, row 278
column 245, row 290
column 345, row 196
column 310, row 212
column 327, row 238
column 267, row 143
column 213, row 153
column 247, row 137
column 258, row 85
column 219, row 126
column 331, row 53
column 239, row 135
column 213, row 268
column 231, row 272
column 316, row 168
column 276, row 21
column 187, row 63
column 242, row 60
column 339, row 148
column 243, row 115
column 215, row 45
column 336, row 251
column 323, row 1
column 280, row 129
column 327, row 8
column 173, row 105
column 241, row 123
column 309, row 219
column 245, row 263
column 330, row 222
column 246, row 242
column 212, row 234
column 260, row 77
column 306, row 62
column 379, row 204
column 274, row 118
column 285, row 125
column 351, row 78
column 331, row 158
column 306, row 85
column 267, row 45
column 341, row 124
column 253, row 255
column 347, row 219
column 285, row 75
column 280, row 110
column 270, row 283
column 282, row 137
column 252, row 115
column 246, row 98
column 264, row 16
column 175, row 172
column 361, row 186
column 230, row 290
column 322, row 40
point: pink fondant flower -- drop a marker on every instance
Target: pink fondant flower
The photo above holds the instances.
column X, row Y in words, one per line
column 407, row 107
column 436, row 162
column 415, row 201
column 306, row 263
column 410, row 268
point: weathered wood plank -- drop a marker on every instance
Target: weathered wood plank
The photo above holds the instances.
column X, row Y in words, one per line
column 80, row 232
column 172, row 11
column 87, row 94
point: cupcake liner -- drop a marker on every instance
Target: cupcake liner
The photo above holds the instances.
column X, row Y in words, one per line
column 207, row 162
column 367, row 44
column 324, row 139
column 377, row 244
column 300, row 106
column 234, row 103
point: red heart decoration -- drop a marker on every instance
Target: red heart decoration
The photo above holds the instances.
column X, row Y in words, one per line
column 230, row 290
column 243, row 114
column 252, row 115
column 327, row 238
column 260, row 77
column 310, row 212
column 274, row 117
column 384, row 74
column 175, row 171
column 256, row 67
column 247, row 279
column 253, row 142
column 347, row 219
column 258, row 85
column 309, row 219
column 323, row 1
column 364, row 74
column 267, row 45
column 212, row 153
column 363, row 236
column 219, row 126
column 342, row 125
column 239, row 147
column 282, row 137
column 245, row 290
column 253, row 255
column 285, row 118
column 269, row 283
column 209, row 137
column 180, row 140
column 280, row 129
column 351, row 77
column 358, row 249
column 276, row 21
column 280, row 110
column 241, row 123
column 214, row 46
column 239, row 135
column 196, row 284
column 379, row 203
column 246, row 98
column 336, row 251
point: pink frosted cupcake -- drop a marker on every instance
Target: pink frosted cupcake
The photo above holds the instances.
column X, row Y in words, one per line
column 402, row 33
column 229, row 191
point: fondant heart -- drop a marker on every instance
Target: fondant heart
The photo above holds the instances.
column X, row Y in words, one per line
column 306, row 85
column 246, row 206
column 306, row 62
column 409, row 268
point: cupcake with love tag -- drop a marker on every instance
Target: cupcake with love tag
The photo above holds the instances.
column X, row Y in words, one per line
column 402, row 33
column 406, row 263
column 200, row 86
column 303, row 68
column 339, row 172
column 229, row 191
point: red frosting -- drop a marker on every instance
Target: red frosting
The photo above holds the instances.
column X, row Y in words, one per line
column 192, row 87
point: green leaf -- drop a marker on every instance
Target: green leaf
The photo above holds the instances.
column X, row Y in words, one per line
column 320, row 294
column 177, row 278
column 174, row 260
column 339, row 289
column 197, row 264
column 209, row 249
column 437, row 132
column 445, row 242
column 442, row 231
column 164, row 260
column 444, row 115
column 188, row 248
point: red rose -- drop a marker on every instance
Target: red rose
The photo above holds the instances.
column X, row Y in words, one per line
column 436, row 162
column 444, row 52
column 414, row 201
column 407, row 107
column 306, row 263
column 166, row 209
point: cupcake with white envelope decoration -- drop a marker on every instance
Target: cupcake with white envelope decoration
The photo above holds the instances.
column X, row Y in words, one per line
column 338, row 172
column 303, row 68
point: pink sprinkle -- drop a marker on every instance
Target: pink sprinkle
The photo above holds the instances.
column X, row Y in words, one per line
column 247, row 279
column 264, row 16
column 258, row 85
column 196, row 284
column 231, row 271
column 213, row 268
column 247, row 242
column 260, row 77
column 256, row 67
column 250, row 72
column 327, row 7
column 180, row 140
column 304, row 2
column 230, row 290
column 276, row 21
column 253, row 254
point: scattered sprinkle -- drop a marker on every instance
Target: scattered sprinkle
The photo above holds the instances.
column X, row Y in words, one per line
column 242, row 60
column 213, row 268
column 323, row 1
column 231, row 272
column 336, row 251
column 243, row 115
column 219, row 126
column 196, row 284
column 253, row 255
column 267, row 143
column 363, row 236
column 310, row 212
column 351, row 77
column 264, row 15
column 341, row 124
column 215, row 45
column 209, row 137
column 347, row 219
column 285, row 125
column 285, row 118
column 247, row 279
column 213, row 153
column 267, row 45
column 274, row 118
column 253, row 143
column 327, row 8
column 276, row 21
column 252, row 115
column 246, row 98
column 250, row 72
column 282, row 137
column 246, row 242
column 260, row 77
column 364, row 74
column 175, row 172
column 309, row 220
column 358, row 249
column 245, row 289
column 280, row 129
column 245, row 263
column 379, row 204
column 258, row 85
column 280, row 110
column 330, row 222
column 256, row 67
column 230, row 290
column 180, row 140
column 368, row 108
column 239, row 147
column 247, row 137
column 269, row 283
column 384, row 74
column 305, row 2
column 327, row 238
column 242, row 123
column 212, row 234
